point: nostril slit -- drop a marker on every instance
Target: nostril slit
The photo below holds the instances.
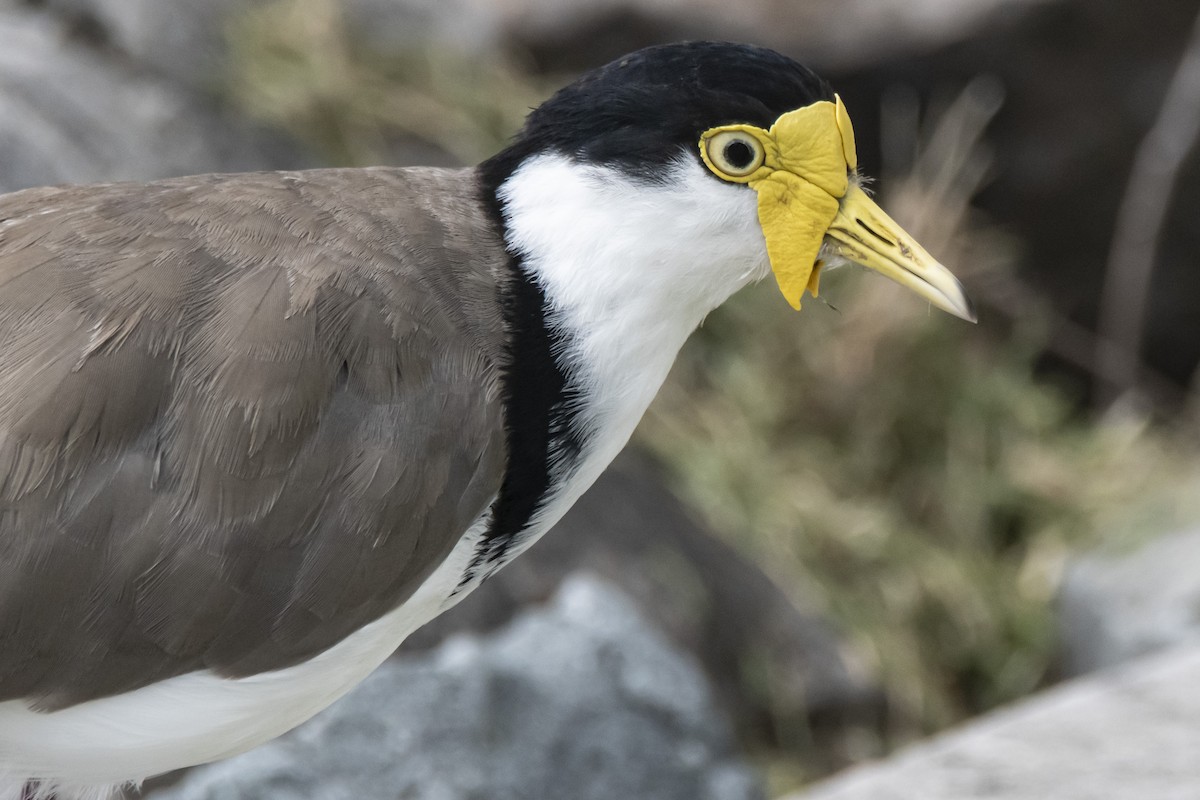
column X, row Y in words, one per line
column 875, row 233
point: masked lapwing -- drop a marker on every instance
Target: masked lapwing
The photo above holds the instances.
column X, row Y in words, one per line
column 255, row 429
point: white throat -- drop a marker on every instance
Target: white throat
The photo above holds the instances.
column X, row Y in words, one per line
column 629, row 269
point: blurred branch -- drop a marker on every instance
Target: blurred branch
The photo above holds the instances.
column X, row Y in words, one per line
column 936, row 174
column 1066, row 339
column 1139, row 224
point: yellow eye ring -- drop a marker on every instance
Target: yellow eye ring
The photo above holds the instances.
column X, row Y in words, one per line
column 733, row 153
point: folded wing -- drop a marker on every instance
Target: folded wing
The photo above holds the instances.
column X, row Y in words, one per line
column 240, row 417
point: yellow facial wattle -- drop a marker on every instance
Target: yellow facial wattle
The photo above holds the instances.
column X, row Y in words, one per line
column 801, row 170
column 804, row 173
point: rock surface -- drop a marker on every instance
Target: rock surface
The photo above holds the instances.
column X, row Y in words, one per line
column 579, row 699
column 774, row 665
column 184, row 40
column 74, row 113
column 1130, row 732
column 828, row 34
column 180, row 40
column 1113, row 608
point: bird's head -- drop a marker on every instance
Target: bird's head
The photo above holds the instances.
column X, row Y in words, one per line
column 765, row 129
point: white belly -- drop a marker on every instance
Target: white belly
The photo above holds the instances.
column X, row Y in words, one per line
column 199, row 717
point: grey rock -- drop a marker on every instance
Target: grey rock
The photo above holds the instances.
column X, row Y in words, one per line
column 576, row 34
column 181, row 39
column 1116, row 607
column 185, row 39
column 466, row 26
column 1126, row 733
column 773, row 665
column 828, row 34
column 579, row 699
column 71, row 114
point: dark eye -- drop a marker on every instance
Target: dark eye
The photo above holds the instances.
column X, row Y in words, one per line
column 738, row 154
column 734, row 153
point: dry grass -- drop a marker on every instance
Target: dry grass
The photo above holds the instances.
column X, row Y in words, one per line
column 296, row 65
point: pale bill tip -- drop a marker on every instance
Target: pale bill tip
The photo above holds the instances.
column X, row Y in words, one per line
column 956, row 302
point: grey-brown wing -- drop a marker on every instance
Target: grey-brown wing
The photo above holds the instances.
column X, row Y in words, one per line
column 240, row 417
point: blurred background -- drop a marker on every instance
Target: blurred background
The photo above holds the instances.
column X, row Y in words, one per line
column 862, row 524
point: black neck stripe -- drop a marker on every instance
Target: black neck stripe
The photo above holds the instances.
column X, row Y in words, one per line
column 541, row 403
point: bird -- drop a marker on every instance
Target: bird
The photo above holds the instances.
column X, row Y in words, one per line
column 257, row 428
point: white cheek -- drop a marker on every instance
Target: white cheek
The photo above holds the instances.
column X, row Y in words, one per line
column 678, row 246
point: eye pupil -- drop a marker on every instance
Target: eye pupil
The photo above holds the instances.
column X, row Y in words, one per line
column 738, row 154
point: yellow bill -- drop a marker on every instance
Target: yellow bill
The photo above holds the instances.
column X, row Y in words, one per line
column 861, row 232
column 801, row 170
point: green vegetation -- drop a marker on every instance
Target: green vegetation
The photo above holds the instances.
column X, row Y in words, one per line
column 901, row 470
column 297, row 65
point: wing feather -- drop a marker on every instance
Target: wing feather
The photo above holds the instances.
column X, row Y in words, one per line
column 240, row 417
